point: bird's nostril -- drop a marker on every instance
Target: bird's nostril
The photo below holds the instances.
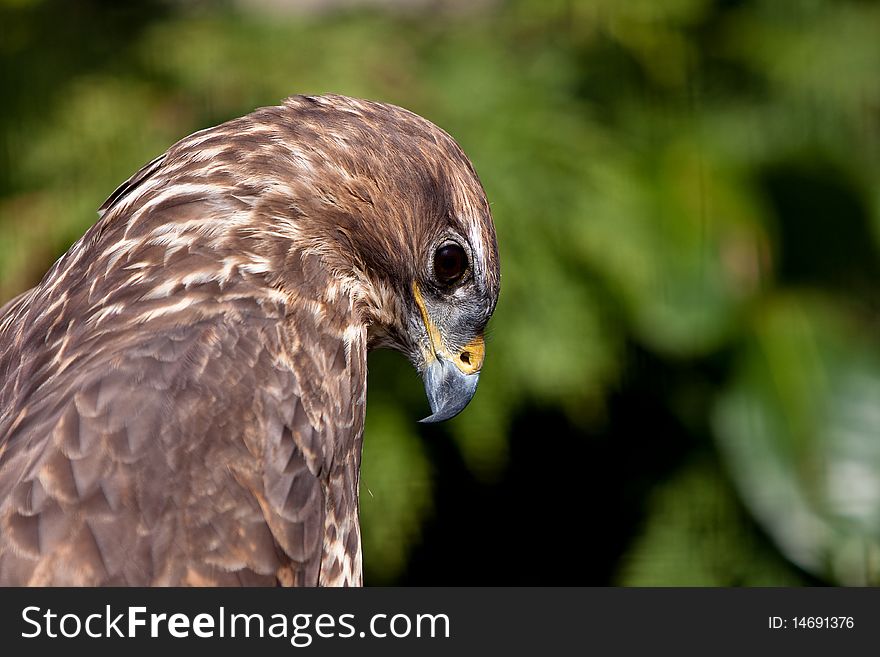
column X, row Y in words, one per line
column 465, row 357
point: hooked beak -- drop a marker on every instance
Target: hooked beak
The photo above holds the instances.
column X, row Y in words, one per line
column 450, row 378
column 449, row 390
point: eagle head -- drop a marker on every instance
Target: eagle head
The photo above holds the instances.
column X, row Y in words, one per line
column 397, row 210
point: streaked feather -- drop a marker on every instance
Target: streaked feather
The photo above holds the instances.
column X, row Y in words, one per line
column 182, row 396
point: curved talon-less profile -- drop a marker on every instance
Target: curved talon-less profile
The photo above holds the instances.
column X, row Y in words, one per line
column 182, row 396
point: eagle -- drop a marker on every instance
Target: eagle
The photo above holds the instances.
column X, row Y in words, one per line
column 182, row 396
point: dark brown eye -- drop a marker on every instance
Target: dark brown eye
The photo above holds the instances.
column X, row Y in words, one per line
column 450, row 262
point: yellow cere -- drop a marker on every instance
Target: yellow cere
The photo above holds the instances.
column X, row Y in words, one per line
column 469, row 360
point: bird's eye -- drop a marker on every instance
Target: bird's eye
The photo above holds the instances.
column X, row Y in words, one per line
column 450, row 263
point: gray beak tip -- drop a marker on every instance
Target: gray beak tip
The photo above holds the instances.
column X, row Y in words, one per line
column 449, row 390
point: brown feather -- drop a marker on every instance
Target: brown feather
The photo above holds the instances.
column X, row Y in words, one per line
column 182, row 397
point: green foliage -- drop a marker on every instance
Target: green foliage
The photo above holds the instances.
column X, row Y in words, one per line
column 698, row 535
column 799, row 427
column 395, row 489
column 636, row 155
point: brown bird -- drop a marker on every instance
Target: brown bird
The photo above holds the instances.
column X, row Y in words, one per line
column 182, row 396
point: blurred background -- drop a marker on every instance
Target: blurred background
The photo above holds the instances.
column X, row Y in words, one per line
column 682, row 384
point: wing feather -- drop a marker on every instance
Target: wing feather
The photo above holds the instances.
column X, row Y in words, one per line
column 181, row 457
